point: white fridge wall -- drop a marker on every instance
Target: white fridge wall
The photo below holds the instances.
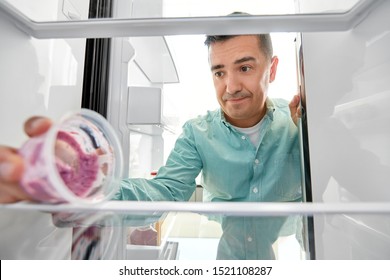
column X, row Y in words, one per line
column 38, row 77
column 348, row 96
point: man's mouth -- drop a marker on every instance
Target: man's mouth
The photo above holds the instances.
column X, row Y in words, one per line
column 235, row 97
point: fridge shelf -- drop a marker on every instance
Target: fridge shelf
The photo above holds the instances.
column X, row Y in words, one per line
column 123, row 27
column 234, row 208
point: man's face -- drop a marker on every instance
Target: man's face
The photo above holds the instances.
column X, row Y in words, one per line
column 241, row 75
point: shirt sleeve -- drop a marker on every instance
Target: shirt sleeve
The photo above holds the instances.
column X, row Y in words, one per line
column 175, row 181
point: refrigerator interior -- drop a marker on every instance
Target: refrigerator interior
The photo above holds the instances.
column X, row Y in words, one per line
column 340, row 48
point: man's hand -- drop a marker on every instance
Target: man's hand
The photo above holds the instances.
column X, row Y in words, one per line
column 11, row 163
column 295, row 109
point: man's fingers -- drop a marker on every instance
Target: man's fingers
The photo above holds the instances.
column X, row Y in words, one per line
column 11, row 171
column 10, row 193
column 37, row 125
column 295, row 109
column 295, row 102
column 11, row 165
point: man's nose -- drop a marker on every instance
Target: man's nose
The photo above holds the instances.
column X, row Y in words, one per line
column 233, row 84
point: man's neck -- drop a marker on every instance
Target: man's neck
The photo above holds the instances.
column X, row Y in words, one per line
column 245, row 123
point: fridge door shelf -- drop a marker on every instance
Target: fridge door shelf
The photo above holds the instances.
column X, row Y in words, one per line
column 145, row 111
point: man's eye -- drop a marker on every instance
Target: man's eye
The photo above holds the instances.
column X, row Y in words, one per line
column 245, row 68
column 218, row 74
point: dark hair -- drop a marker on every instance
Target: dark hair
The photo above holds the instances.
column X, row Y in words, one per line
column 265, row 42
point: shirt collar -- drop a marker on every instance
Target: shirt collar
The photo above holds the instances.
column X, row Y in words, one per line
column 270, row 112
column 270, row 108
column 223, row 119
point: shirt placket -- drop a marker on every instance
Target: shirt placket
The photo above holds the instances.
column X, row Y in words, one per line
column 250, row 239
column 256, row 182
column 255, row 195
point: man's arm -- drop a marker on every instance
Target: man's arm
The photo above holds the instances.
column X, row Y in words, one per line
column 175, row 180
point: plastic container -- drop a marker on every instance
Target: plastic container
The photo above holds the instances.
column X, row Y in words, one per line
column 95, row 236
column 79, row 160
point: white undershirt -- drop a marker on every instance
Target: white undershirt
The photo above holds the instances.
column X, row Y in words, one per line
column 252, row 132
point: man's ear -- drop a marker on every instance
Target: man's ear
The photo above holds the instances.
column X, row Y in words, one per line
column 274, row 67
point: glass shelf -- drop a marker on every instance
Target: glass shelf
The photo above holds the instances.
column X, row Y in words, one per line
column 234, row 208
column 71, row 10
column 188, row 231
column 133, row 19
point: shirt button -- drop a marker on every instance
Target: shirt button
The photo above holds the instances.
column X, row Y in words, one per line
column 255, row 190
column 257, row 161
column 249, row 239
column 243, row 137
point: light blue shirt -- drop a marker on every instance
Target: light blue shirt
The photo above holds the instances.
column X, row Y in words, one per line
column 233, row 169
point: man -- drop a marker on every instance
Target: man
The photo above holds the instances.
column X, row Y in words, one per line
column 247, row 150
